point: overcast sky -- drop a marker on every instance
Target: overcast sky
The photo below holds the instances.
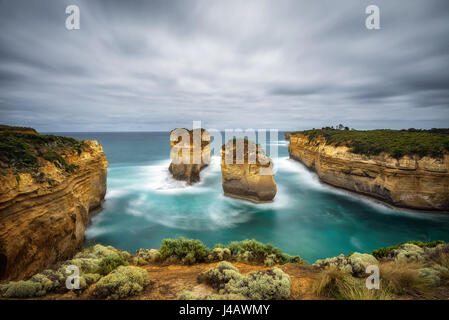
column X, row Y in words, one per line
column 156, row 65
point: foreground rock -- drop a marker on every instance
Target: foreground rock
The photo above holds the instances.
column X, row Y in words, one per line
column 47, row 197
column 411, row 181
column 249, row 178
column 190, row 152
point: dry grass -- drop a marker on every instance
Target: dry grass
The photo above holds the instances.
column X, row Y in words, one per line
column 334, row 283
column 403, row 279
column 443, row 259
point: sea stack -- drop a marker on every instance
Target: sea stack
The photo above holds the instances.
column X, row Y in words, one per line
column 190, row 152
column 50, row 187
column 247, row 174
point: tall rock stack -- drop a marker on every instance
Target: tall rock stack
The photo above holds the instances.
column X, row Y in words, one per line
column 190, row 152
column 247, row 172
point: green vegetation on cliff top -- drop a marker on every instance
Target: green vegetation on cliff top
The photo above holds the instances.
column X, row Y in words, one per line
column 397, row 143
column 190, row 251
column 382, row 252
column 24, row 151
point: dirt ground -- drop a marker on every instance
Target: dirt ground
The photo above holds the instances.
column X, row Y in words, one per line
column 168, row 281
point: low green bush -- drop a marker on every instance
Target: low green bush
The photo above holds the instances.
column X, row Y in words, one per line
column 383, row 252
column 252, row 251
column 121, row 283
column 22, row 289
column 39, row 285
column 111, row 263
column 146, row 256
column 269, row 285
column 188, row 251
column 187, row 295
column 219, row 254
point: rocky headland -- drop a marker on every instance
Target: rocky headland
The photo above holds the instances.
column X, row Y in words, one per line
column 404, row 169
column 190, row 152
column 50, row 186
column 249, row 177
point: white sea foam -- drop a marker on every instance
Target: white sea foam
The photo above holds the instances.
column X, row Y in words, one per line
column 113, row 193
column 95, row 231
column 228, row 219
column 305, row 176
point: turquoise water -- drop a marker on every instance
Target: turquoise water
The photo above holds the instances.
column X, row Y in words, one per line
column 145, row 205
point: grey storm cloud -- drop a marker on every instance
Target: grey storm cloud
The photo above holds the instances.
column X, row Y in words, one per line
column 155, row 65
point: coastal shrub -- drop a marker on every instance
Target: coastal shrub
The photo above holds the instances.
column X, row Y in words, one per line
column 270, row 260
column 397, row 143
column 387, row 252
column 23, row 151
column 219, row 276
column 272, row 284
column 38, row 285
column 219, row 254
column 111, row 263
column 91, row 278
column 22, row 289
column 188, row 251
column 89, row 259
column 187, row 295
column 269, row 285
column 121, row 283
column 354, row 264
column 146, row 256
column 252, row 251
column 50, row 280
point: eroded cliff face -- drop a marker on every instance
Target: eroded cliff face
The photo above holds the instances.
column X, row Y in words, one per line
column 190, row 152
column 251, row 178
column 43, row 217
column 411, row 181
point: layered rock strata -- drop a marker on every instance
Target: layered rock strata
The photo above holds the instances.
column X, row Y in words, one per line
column 247, row 174
column 411, row 182
column 43, row 215
column 190, row 152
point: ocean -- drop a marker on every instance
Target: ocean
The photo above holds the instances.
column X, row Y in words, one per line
column 144, row 205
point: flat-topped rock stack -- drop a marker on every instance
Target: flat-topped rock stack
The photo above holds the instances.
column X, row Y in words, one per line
column 248, row 176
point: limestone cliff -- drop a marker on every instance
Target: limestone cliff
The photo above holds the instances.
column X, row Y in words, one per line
column 410, row 181
column 190, row 152
column 249, row 176
column 46, row 202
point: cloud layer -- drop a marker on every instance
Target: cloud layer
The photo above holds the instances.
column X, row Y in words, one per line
column 155, row 65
